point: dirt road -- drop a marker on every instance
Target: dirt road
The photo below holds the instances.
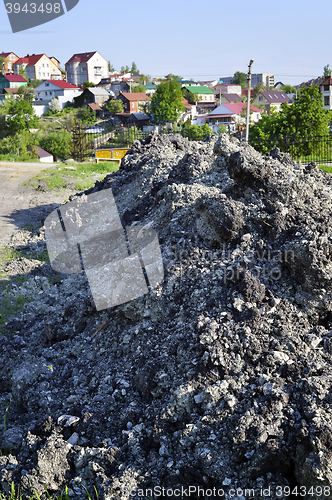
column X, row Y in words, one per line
column 22, row 205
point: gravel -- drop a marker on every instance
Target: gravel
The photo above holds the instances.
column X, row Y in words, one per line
column 217, row 379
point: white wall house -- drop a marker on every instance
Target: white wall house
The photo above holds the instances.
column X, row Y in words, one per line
column 63, row 91
column 325, row 89
column 229, row 115
column 38, row 67
column 88, row 66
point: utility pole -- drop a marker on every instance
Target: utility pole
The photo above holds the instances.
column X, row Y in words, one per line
column 248, row 100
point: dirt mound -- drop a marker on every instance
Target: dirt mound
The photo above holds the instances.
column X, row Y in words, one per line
column 219, row 378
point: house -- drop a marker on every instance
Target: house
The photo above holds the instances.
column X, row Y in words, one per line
column 12, row 82
column 132, row 101
column 49, row 89
column 139, row 120
column 271, row 99
column 204, row 93
column 8, row 65
column 325, row 89
column 150, row 88
column 38, row 67
column 208, row 83
column 88, row 66
column 229, row 88
column 94, row 95
column 230, row 115
column 229, row 98
column 190, row 110
column 44, row 156
column 94, row 106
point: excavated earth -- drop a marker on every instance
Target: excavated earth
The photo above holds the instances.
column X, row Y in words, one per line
column 215, row 384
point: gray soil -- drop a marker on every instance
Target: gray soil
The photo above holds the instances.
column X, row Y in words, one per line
column 22, row 206
column 219, row 378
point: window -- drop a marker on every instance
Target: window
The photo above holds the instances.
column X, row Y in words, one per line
column 260, row 98
column 326, row 87
column 132, row 105
column 326, row 100
column 47, row 84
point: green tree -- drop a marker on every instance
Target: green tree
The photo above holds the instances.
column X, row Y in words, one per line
column 327, row 70
column 138, row 88
column 134, row 68
column 2, row 65
column 22, row 72
column 240, row 78
column 26, row 93
column 193, row 97
column 114, row 106
column 260, row 87
column 59, row 144
column 125, row 69
column 87, row 84
column 289, row 89
column 87, row 116
column 20, row 116
column 197, row 132
column 166, row 105
column 111, row 68
column 170, row 76
column 34, row 83
column 306, row 117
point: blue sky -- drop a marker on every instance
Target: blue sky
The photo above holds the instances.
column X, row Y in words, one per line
column 202, row 40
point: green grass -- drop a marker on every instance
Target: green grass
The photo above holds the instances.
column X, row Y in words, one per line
column 326, row 168
column 82, row 178
column 16, row 495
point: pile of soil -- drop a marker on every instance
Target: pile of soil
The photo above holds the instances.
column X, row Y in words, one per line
column 218, row 379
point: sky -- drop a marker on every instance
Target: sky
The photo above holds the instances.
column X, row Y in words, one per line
column 198, row 40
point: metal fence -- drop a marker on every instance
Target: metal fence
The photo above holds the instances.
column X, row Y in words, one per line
column 304, row 149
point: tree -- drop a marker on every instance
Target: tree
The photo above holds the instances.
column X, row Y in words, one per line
column 260, row 87
column 125, row 69
column 166, row 105
column 22, row 72
column 26, row 93
column 327, row 70
column 134, row 68
column 20, row 116
column 289, row 89
column 304, row 118
column 193, row 97
column 2, row 64
column 111, row 68
column 114, row 106
column 55, row 106
column 57, row 143
column 87, row 84
column 240, row 78
column 138, row 88
column 34, row 83
column 170, row 76
column 87, row 116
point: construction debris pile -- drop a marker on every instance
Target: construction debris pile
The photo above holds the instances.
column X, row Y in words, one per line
column 220, row 377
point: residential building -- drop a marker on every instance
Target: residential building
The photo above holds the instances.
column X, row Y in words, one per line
column 230, row 115
column 38, row 67
column 8, row 66
column 271, row 99
column 265, row 78
column 226, row 80
column 205, row 94
column 150, row 88
column 95, row 107
column 325, row 89
column 208, row 83
column 230, row 88
column 132, row 101
column 88, row 66
column 97, row 95
column 139, row 120
column 63, row 91
column 12, row 82
column 229, row 98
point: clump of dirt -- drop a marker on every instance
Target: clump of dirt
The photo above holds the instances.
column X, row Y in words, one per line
column 218, row 379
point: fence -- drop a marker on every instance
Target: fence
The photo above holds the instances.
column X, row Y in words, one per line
column 304, row 149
